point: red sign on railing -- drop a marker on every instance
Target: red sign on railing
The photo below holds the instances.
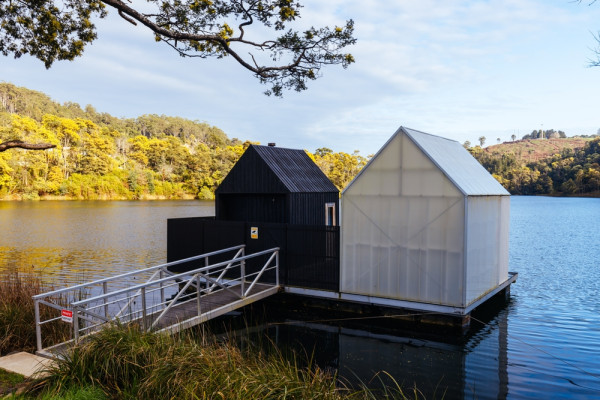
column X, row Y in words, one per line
column 66, row 315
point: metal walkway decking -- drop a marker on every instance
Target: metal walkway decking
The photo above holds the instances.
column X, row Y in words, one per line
column 186, row 315
column 165, row 301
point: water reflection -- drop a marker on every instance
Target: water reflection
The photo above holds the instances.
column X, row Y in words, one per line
column 440, row 366
column 73, row 242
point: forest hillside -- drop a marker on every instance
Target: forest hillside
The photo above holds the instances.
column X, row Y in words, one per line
column 99, row 156
column 556, row 166
column 534, row 150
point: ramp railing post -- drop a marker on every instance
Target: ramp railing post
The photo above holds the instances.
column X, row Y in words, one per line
column 76, row 324
column 198, row 293
column 206, row 264
column 38, row 326
column 243, row 276
column 162, row 288
column 105, row 289
column 277, row 267
column 144, row 325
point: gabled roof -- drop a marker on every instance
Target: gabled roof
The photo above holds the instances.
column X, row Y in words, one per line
column 455, row 162
column 293, row 170
column 467, row 174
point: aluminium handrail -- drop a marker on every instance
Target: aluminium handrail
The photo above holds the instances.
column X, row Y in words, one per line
column 138, row 271
column 263, row 269
column 243, row 293
column 207, row 279
column 178, row 276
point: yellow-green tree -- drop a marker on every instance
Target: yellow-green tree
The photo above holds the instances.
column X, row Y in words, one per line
column 340, row 167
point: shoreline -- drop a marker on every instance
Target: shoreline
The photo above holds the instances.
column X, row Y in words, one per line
column 145, row 197
column 149, row 197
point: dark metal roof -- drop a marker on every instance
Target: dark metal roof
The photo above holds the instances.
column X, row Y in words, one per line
column 282, row 170
column 295, row 169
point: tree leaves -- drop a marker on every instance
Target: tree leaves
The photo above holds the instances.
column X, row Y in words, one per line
column 101, row 156
column 47, row 29
column 54, row 30
column 571, row 172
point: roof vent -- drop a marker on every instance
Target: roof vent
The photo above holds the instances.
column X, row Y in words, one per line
column 272, row 144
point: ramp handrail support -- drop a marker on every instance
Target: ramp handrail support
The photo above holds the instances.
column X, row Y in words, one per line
column 177, row 276
column 183, row 280
column 138, row 271
column 132, row 299
column 200, row 273
column 159, row 269
column 263, row 269
column 193, row 275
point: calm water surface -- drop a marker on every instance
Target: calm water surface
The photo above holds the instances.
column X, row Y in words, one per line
column 77, row 241
column 545, row 343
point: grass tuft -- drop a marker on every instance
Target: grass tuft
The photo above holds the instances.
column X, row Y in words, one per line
column 124, row 363
column 17, row 316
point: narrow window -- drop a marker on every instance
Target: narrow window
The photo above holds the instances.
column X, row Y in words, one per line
column 330, row 214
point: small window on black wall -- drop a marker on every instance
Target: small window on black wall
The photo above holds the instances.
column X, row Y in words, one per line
column 330, row 214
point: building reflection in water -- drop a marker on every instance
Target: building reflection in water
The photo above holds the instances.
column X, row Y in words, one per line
column 439, row 366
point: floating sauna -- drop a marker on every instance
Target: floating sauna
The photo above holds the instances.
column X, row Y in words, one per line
column 424, row 226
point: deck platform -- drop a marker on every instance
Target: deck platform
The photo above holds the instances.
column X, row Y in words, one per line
column 187, row 315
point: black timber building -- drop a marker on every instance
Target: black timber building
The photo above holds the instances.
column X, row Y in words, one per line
column 273, row 184
column 287, row 201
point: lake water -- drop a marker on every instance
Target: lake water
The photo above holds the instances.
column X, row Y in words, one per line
column 543, row 344
column 72, row 242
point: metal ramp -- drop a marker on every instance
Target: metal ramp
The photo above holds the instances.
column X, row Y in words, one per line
column 156, row 299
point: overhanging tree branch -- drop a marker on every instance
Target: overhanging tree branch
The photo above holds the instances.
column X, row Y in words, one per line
column 59, row 29
column 596, row 51
column 12, row 144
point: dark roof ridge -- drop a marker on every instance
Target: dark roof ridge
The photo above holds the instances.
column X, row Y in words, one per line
column 295, row 169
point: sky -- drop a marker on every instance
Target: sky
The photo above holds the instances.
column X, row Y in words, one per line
column 457, row 69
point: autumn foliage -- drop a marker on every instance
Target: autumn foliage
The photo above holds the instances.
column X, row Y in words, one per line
column 98, row 156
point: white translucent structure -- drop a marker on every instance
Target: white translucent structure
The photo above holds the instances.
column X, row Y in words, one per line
column 424, row 222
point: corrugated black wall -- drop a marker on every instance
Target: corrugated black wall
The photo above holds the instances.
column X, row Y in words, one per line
column 309, row 208
column 290, row 208
column 252, row 207
column 309, row 255
column 253, row 190
column 251, row 175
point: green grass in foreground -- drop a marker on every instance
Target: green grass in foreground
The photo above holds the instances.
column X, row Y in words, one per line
column 17, row 316
column 9, row 382
column 8, row 378
column 76, row 393
column 15, row 385
column 123, row 363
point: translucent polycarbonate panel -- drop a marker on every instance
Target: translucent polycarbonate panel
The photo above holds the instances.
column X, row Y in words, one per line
column 412, row 156
column 403, row 229
column 414, row 253
column 504, row 235
column 390, row 158
column 420, row 176
column 457, row 164
column 487, row 244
